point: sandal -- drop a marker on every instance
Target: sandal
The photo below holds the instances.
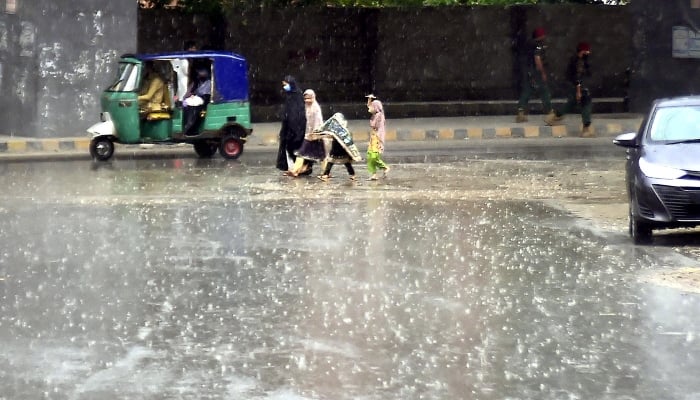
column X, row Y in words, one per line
column 323, row 178
column 386, row 172
column 353, row 178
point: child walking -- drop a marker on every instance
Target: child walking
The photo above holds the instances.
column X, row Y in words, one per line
column 376, row 138
column 343, row 149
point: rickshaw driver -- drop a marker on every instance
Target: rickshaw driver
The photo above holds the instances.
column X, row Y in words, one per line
column 195, row 102
column 155, row 97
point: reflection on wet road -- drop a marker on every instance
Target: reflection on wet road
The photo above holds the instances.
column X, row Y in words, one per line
column 221, row 281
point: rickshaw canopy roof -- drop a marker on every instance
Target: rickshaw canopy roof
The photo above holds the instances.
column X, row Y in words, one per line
column 229, row 70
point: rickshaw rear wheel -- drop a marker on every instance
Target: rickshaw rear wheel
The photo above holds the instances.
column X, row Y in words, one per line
column 101, row 148
column 231, row 146
column 205, row 149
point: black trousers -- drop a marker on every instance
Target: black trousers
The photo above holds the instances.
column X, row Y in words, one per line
column 191, row 119
column 348, row 166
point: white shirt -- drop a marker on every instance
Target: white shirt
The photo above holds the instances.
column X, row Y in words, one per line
column 181, row 67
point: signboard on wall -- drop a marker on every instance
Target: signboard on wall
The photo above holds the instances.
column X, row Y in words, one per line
column 686, row 42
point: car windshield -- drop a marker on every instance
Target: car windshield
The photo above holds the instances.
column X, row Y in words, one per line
column 127, row 78
column 676, row 124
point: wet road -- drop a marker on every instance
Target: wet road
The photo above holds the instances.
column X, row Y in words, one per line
column 187, row 279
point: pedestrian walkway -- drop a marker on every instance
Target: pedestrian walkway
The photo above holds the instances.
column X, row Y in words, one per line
column 486, row 127
column 402, row 130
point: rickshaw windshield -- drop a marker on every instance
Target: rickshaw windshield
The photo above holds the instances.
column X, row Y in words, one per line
column 127, row 78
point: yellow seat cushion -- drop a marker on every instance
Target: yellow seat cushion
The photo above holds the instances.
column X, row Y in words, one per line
column 157, row 116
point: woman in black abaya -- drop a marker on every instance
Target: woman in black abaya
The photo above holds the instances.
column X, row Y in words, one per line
column 293, row 124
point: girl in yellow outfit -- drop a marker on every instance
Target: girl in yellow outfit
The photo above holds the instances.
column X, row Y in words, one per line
column 376, row 138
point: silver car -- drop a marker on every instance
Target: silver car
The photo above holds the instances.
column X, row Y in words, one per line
column 663, row 168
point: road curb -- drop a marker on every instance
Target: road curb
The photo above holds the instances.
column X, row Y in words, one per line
column 31, row 145
column 524, row 131
column 19, row 146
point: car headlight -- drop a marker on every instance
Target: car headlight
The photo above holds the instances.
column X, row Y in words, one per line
column 659, row 171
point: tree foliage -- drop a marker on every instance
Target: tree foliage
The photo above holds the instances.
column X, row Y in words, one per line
column 207, row 6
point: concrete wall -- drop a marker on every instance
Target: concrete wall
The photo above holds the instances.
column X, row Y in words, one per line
column 427, row 54
column 656, row 73
column 323, row 48
column 55, row 58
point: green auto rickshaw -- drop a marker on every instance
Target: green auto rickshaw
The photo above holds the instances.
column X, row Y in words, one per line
column 199, row 98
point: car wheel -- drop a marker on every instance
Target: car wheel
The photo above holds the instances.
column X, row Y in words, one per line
column 205, row 149
column 231, row 146
column 639, row 230
column 101, row 148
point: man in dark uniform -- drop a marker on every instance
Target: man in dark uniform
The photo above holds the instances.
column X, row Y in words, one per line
column 578, row 73
column 536, row 79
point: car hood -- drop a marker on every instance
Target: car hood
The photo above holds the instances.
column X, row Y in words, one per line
column 685, row 156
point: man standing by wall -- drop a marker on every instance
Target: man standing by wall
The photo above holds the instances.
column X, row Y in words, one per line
column 536, row 79
column 578, row 72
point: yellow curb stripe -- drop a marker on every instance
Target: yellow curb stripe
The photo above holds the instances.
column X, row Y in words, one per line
column 446, row 134
column 614, row 128
column 559, row 130
column 269, row 138
column 16, row 145
column 532, row 131
column 475, row 133
column 49, row 145
column 82, row 144
column 503, row 132
column 360, row 136
column 390, row 135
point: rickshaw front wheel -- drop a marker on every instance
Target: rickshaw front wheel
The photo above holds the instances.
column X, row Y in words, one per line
column 204, row 149
column 231, row 146
column 101, row 148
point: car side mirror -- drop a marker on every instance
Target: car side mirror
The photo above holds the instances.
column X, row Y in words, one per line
column 626, row 140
